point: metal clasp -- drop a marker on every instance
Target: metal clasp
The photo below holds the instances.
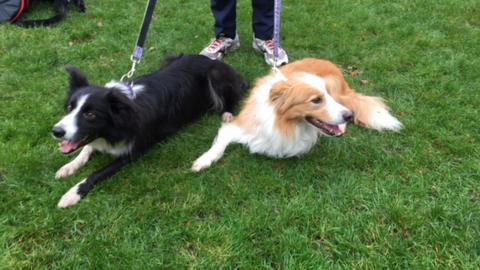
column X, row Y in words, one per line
column 128, row 76
column 274, row 67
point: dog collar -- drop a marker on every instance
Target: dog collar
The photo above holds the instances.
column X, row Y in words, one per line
column 131, row 93
column 128, row 89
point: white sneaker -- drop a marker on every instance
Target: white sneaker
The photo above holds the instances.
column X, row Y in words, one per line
column 266, row 47
column 221, row 46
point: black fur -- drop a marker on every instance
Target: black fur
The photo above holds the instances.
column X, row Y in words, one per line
column 174, row 96
column 61, row 9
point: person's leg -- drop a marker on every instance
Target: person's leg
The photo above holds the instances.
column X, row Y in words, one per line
column 226, row 40
column 262, row 19
column 225, row 14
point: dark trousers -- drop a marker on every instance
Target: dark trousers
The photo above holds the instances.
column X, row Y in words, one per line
column 225, row 15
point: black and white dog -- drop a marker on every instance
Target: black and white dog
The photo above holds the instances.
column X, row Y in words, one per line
column 126, row 121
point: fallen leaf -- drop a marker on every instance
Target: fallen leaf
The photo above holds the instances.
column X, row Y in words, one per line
column 354, row 73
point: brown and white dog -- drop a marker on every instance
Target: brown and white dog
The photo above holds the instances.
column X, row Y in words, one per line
column 288, row 110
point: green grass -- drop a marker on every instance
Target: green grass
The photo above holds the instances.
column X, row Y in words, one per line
column 367, row 200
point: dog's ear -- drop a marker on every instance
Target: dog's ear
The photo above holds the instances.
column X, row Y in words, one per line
column 77, row 79
column 278, row 95
column 277, row 90
column 123, row 110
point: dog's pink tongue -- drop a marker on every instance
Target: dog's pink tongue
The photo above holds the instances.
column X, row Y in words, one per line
column 336, row 130
column 333, row 129
column 68, row 146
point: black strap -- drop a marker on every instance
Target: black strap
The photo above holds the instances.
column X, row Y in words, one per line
column 60, row 14
column 147, row 18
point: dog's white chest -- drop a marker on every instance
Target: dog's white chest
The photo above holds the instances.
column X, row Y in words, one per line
column 274, row 144
column 115, row 150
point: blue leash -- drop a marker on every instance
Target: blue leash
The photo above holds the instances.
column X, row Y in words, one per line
column 142, row 36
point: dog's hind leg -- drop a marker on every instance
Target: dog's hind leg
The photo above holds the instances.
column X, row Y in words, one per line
column 227, row 134
column 81, row 189
column 71, row 167
column 227, row 117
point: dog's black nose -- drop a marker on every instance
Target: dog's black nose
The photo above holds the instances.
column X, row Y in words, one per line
column 347, row 115
column 58, row 132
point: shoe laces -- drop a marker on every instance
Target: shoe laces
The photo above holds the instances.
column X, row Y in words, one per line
column 215, row 44
column 270, row 45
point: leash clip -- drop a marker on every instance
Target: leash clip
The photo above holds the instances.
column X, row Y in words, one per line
column 275, row 66
column 128, row 76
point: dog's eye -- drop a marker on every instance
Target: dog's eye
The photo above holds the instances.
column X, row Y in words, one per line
column 89, row 116
column 317, row 100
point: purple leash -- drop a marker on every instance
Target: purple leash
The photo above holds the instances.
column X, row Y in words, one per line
column 132, row 94
column 276, row 31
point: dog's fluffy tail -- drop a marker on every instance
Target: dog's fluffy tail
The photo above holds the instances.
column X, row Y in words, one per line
column 217, row 100
column 226, row 87
column 370, row 112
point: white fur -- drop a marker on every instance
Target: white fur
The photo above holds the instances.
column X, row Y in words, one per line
column 71, row 197
column 69, row 121
column 71, row 167
column 334, row 109
column 381, row 119
column 271, row 143
column 137, row 88
column 217, row 101
column 227, row 134
column 116, row 150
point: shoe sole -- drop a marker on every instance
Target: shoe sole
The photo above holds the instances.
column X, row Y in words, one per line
column 232, row 48
column 257, row 48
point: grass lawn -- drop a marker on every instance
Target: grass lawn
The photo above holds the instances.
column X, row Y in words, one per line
column 366, row 200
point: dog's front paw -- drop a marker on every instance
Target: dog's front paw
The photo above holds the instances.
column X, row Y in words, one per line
column 71, row 197
column 68, row 199
column 200, row 164
column 65, row 170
